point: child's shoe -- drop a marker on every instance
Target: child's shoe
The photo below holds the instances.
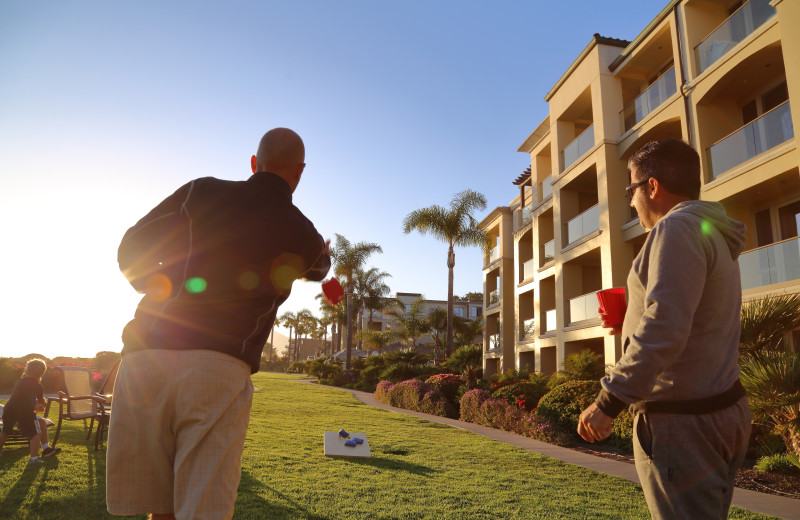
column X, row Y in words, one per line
column 50, row 451
column 35, row 460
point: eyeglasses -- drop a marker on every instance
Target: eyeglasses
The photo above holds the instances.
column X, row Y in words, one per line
column 630, row 189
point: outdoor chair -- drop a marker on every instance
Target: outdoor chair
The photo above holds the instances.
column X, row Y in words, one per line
column 79, row 401
column 107, row 392
column 15, row 438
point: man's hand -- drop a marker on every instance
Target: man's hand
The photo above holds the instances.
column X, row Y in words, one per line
column 594, row 425
column 615, row 330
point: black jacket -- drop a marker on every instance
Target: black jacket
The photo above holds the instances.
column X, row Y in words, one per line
column 215, row 260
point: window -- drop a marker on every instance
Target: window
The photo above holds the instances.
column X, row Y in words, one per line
column 764, row 102
column 474, row 312
column 458, row 311
column 763, row 227
column 408, row 308
column 789, row 217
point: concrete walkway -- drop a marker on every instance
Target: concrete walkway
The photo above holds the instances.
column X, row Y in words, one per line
column 774, row 505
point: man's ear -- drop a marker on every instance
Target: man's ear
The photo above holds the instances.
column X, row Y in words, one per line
column 300, row 171
column 253, row 163
column 655, row 187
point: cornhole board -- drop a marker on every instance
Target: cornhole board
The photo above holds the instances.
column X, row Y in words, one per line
column 334, row 446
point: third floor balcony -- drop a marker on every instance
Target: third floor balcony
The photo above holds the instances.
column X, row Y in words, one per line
column 768, row 131
column 655, row 95
column 775, row 263
column 583, row 224
column 584, row 307
column 577, row 148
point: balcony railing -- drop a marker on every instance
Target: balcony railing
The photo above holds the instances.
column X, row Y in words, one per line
column 758, row 136
column 550, row 320
column 528, row 329
column 523, row 217
column 494, row 254
column 575, row 150
column 771, row 264
column 494, row 342
column 736, row 28
column 655, row 95
column 583, row 224
column 527, row 269
column 583, row 307
column 548, row 252
column 547, row 187
column 494, row 298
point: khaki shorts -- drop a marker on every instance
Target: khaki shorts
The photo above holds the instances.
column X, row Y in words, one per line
column 177, row 431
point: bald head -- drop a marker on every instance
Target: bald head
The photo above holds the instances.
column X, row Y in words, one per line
column 281, row 151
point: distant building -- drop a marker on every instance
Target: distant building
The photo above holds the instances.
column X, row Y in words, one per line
column 720, row 74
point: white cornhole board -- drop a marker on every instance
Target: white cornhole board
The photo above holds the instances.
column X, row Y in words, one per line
column 334, row 446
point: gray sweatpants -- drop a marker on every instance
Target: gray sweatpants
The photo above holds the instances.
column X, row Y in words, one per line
column 687, row 463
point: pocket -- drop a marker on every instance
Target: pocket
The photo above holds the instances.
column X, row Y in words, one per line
column 644, row 435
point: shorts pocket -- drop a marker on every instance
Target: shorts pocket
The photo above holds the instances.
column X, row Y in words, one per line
column 644, row 434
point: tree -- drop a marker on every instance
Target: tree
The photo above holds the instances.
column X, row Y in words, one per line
column 771, row 367
column 378, row 339
column 348, row 258
column 437, row 324
column 457, row 227
column 473, row 297
column 370, row 289
column 307, row 323
column 290, row 321
column 466, row 331
column 466, row 360
column 413, row 323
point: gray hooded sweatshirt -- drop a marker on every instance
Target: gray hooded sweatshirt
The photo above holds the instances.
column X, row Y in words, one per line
column 681, row 330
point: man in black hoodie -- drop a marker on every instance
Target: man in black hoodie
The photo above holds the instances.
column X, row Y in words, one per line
column 214, row 260
column 680, row 339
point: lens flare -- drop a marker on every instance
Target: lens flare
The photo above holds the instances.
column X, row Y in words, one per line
column 706, row 227
column 158, row 287
column 248, row 280
column 196, row 285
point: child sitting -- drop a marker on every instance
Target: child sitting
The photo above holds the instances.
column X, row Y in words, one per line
column 26, row 399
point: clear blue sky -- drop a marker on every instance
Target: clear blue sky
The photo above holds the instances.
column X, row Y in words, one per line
column 107, row 107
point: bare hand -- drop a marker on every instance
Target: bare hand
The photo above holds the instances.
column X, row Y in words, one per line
column 593, row 424
column 616, row 329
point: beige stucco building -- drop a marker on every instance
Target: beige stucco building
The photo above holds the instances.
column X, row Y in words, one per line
column 720, row 74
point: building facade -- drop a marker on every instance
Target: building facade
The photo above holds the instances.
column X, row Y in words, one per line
column 720, row 74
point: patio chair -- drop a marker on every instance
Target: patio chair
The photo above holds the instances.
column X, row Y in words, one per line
column 107, row 392
column 79, row 401
column 15, row 438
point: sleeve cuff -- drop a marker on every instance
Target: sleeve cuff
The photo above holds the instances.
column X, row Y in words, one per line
column 609, row 404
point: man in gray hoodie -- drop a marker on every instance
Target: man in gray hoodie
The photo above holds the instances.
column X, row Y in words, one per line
column 680, row 337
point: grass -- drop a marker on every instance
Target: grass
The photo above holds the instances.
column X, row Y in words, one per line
column 419, row 469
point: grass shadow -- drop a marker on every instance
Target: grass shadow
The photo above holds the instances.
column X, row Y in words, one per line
column 17, row 494
column 389, row 464
column 251, row 503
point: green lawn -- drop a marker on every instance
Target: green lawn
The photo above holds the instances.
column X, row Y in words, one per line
column 418, row 469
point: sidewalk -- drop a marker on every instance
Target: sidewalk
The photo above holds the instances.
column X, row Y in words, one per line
column 774, row 505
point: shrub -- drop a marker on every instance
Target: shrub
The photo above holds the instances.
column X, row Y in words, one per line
column 622, row 432
column 584, row 366
column 369, row 377
column 322, row 370
column 400, row 372
column 382, row 391
column 563, row 405
column 408, row 394
column 435, row 403
column 779, row 463
column 499, row 414
column 521, row 394
column 447, row 384
column 470, row 405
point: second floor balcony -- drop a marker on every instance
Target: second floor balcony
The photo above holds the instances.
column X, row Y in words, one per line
column 775, row 263
column 583, row 224
column 527, row 270
column 548, row 252
column 523, row 217
column 768, row 131
column 494, row 298
column 577, row 148
column 547, row 187
column 528, row 329
column 494, row 254
column 734, row 29
column 655, row 95
column 550, row 321
column 583, row 307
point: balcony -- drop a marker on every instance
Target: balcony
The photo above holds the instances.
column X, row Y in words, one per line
column 550, row 320
column 494, row 298
column 527, row 270
column 736, row 28
column 547, row 187
column 775, row 263
column 583, row 308
column 583, row 224
column 655, row 95
column 575, row 150
column 494, row 342
column 768, row 131
column 549, row 249
column 494, row 254
column 523, row 217
column 528, row 328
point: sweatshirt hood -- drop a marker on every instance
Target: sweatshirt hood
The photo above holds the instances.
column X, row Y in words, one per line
column 713, row 217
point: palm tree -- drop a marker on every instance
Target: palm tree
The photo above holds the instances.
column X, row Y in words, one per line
column 466, row 331
column 289, row 320
column 412, row 322
column 307, row 322
column 336, row 316
column 771, row 367
column 466, row 360
column 378, row 339
column 349, row 258
column 276, row 322
column 437, row 323
column 457, row 227
column 370, row 288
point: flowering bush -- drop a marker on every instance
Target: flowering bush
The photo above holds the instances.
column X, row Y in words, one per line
column 382, row 391
column 521, row 394
column 563, row 405
column 435, row 403
column 471, row 405
column 448, row 384
column 497, row 413
column 416, row 395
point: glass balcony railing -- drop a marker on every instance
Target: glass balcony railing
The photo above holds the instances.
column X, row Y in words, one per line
column 547, row 187
column 736, row 28
column 575, row 150
column 771, row 264
column 523, row 217
column 655, row 95
column 758, row 136
column 494, row 254
column 550, row 320
column 494, row 298
column 528, row 329
column 527, row 270
column 583, row 307
column 583, row 224
column 548, row 252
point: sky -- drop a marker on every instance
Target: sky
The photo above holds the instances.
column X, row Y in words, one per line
column 108, row 107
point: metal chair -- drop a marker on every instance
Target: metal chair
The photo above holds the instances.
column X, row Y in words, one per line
column 15, row 438
column 107, row 392
column 79, row 401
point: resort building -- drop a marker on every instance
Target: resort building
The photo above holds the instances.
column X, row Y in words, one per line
column 720, row 74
